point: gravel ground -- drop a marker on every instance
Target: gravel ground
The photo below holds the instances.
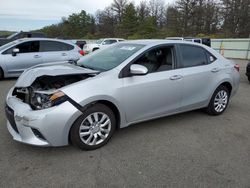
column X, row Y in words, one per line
column 186, row 150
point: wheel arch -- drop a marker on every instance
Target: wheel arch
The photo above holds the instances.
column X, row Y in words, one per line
column 228, row 85
column 96, row 48
column 2, row 71
column 109, row 104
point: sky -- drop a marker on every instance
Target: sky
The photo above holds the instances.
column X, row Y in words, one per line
column 25, row 15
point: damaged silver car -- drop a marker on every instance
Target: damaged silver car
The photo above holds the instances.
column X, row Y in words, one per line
column 126, row 83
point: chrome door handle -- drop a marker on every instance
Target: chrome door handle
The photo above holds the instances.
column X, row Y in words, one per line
column 37, row 56
column 64, row 54
column 176, row 77
column 214, row 70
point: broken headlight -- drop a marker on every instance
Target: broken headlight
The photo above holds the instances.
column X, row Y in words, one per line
column 41, row 100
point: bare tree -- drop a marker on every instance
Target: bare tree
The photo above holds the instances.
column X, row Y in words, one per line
column 157, row 10
column 118, row 6
column 236, row 15
column 143, row 10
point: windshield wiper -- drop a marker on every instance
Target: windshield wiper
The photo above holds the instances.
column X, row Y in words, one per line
column 86, row 67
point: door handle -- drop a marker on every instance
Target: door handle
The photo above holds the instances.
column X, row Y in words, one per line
column 64, row 54
column 176, row 77
column 214, row 70
column 37, row 56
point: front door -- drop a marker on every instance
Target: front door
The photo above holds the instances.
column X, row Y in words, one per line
column 156, row 94
column 27, row 57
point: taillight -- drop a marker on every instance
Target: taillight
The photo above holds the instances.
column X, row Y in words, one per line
column 81, row 52
column 237, row 67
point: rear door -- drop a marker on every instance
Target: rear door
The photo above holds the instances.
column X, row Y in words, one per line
column 198, row 73
column 54, row 51
column 28, row 56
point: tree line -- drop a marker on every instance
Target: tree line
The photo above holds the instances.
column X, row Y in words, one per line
column 155, row 19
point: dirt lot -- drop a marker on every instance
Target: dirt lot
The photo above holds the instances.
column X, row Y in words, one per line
column 186, row 150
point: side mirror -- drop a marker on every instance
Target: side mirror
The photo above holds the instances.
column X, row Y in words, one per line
column 15, row 51
column 138, row 70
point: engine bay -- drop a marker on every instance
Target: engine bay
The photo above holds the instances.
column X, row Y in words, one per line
column 50, row 83
column 38, row 95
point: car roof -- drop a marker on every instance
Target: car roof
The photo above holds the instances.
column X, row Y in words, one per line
column 153, row 42
column 112, row 39
column 42, row 39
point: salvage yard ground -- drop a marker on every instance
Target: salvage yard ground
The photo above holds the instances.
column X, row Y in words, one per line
column 185, row 150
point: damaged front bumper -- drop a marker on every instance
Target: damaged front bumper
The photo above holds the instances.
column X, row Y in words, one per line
column 48, row 127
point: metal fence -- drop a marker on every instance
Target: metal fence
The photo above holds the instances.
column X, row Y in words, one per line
column 233, row 48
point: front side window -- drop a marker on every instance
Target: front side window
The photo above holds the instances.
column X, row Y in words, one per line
column 25, row 47
column 109, row 42
column 192, row 56
column 54, row 46
column 110, row 57
column 157, row 59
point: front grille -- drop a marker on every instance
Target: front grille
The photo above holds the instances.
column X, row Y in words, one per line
column 10, row 116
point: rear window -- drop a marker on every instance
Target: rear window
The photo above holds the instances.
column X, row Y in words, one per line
column 50, row 46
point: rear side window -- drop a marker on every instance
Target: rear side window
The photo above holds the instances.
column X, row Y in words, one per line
column 53, row 46
column 192, row 56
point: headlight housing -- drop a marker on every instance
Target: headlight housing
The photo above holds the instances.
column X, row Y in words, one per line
column 40, row 100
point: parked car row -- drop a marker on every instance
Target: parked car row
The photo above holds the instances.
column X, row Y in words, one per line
column 120, row 85
column 206, row 41
column 100, row 44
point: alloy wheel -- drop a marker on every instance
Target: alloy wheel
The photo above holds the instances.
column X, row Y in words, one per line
column 220, row 101
column 95, row 128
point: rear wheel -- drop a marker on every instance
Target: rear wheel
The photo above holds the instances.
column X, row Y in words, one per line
column 1, row 74
column 94, row 128
column 219, row 101
column 249, row 78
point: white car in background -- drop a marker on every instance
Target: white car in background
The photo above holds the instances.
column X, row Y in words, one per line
column 100, row 44
column 24, row 53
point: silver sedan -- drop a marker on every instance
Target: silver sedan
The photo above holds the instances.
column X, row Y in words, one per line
column 24, row 53
column 115, row 87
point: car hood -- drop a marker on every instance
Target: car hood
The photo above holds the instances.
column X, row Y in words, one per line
column 50, row 69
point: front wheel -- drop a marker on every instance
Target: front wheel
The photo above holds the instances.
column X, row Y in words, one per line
column 94, row 128
column 219, row 101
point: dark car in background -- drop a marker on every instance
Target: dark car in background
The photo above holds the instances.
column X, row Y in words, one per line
column 248, row 71
column 20, row 35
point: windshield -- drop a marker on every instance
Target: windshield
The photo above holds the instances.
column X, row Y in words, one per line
column 99, row 41
column 7, row 45
column 110, row 57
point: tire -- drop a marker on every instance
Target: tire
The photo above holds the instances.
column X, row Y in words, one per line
column 249, row 78
column 95, row 130
column 219, row 101
column 1, row 74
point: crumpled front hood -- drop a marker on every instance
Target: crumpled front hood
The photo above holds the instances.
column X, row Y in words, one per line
column 50, row 69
